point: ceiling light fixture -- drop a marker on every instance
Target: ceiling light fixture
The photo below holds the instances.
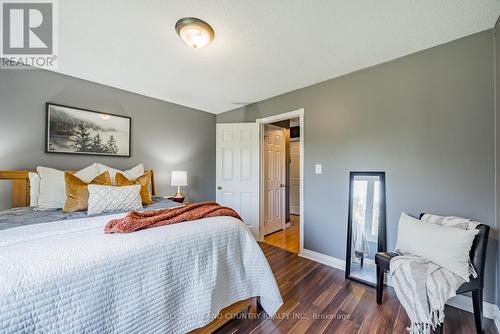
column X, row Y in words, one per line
column 195, row 32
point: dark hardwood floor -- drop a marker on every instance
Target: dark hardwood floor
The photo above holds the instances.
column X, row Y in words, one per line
column 317, row 299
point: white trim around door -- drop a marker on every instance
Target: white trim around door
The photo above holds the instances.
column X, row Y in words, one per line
column 276, row 118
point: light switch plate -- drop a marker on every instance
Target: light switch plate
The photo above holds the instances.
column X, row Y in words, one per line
column 318, row 169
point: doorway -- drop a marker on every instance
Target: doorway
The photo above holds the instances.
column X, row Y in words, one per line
column 281, row 181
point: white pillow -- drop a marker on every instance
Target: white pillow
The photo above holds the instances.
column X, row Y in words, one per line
column 89, row 173
column 110, row 199
column 131, row 174
column 447, row 247
column 52, row 186
column 34, row 188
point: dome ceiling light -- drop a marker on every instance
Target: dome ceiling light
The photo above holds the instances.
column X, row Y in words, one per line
column 195, row 32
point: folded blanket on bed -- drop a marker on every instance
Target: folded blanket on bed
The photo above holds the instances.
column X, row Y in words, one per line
column 135, row 221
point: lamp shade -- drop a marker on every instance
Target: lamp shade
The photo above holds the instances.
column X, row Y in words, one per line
column 179, row 178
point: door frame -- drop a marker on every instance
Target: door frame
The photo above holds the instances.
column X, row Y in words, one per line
column 271, row 119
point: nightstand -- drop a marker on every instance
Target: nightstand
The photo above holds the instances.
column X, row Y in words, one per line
column 171, row 198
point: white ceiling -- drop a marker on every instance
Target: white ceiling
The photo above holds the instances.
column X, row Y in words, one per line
column 262, row 48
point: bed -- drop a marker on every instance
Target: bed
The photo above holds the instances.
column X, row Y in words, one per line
column 60, row 273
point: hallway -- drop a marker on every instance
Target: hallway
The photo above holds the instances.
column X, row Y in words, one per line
column 288, row 239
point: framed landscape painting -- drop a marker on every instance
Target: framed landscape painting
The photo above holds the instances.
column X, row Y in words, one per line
column 79, row 131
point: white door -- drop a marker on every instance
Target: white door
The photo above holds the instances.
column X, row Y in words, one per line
column 274, row 179
column 295, row 178
column 237, row 167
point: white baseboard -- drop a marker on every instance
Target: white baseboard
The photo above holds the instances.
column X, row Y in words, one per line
column 324, row 259
column 490, row 311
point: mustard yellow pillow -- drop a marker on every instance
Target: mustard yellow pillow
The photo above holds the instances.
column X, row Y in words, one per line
column 77, row 193
column 143, row 180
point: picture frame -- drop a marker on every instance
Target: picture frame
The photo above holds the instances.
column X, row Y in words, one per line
column 72, row 130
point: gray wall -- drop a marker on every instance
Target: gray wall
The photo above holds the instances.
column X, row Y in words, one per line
column 497, row 133
column 427, row 120
column 165, row 136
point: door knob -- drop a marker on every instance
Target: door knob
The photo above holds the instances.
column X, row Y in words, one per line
column 219, row 187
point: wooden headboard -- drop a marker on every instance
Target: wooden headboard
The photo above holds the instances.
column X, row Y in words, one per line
column 21, row 186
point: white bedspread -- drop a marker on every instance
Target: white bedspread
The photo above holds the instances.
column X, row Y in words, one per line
column 70, row 277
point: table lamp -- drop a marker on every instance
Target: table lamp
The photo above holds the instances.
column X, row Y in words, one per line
column 179, row 178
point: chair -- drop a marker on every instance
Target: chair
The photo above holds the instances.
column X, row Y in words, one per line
column 475, row 285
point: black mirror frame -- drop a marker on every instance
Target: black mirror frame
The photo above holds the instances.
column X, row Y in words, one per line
column 382, row 228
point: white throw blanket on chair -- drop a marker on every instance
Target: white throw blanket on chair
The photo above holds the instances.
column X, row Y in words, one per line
column 423, row 287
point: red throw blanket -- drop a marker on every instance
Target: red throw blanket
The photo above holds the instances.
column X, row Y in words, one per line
column 135, row 221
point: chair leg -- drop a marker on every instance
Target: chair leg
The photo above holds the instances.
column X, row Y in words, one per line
column 477, row 304
column 380, row 284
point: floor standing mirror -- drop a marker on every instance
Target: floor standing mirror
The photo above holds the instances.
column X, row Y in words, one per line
column 366, row 228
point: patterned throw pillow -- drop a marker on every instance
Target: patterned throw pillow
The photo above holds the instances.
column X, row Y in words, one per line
column 144, row 181
column 113, row 199
column 450, row 221
column 77, row 195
